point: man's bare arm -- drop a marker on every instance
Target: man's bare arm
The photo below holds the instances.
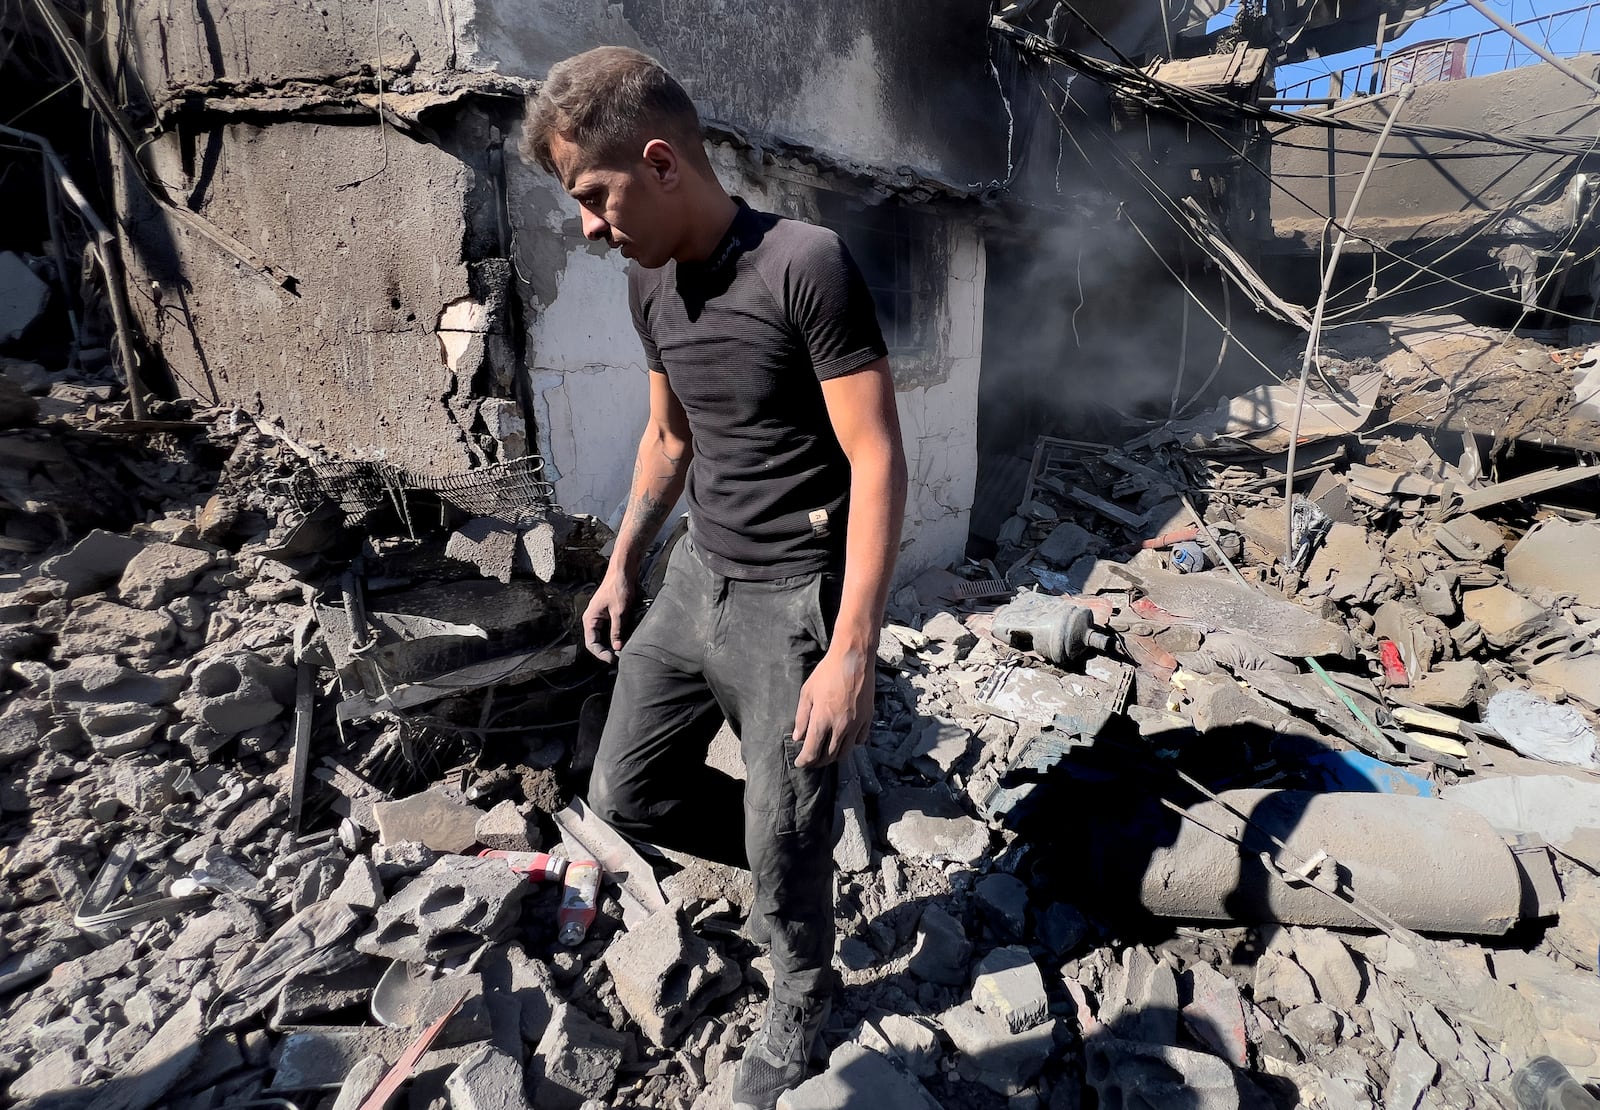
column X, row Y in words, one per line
column 835, row 708
column 659, row 471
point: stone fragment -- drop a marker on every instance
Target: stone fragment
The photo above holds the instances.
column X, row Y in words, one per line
column 575, row 1060
column 487, row 1080
column 1577, row 934
column 1141, row 999
column 309, row 996
column 945, row 627
column 907, row 1039
column 1008, row 985
column 1411, row 1074
column 233, row 693
column 992, row 1054
column 159, row 572
column 930, row 825
column 1067, row 543
column 1215, row 1014
column 942, row 949
column 858, row 1076
column 53, row 1072
column 940, row 746
column 396, row 861
column 24, row 723
column 435, row 818
column 160, row 1062
column 1333, row 971
column 665, row 976
column 1279, row 978
column 1003, row 901
column 488, row 544
column 362, row 1080
column 23, row 296
column 1062, row 928
column 852, row 850
column 454, row 906
column 505, row 829
column 1450, row 684
column 95, row 562
column 1555, row 557
column 1469, row 538
column 1135, row 1076
column 102, row 627
column 360, row 886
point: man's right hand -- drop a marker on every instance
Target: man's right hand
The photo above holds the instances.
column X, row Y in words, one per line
column 603, row 619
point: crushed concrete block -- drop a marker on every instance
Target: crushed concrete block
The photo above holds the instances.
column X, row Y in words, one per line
column 95, row 562
column 100, row 680
column 665, row 975
column 940, row 746
column 159, row 572
column 536, row 550
column 906, row 1039
column 307, row 996
column 1469, row 538
column 487, row 1080
column 1008, row 985
column 233, row 693
column 992, row 1054
column 505, row 829
column 1506, row 617
column 1347, row 567
column 453, row 906
column 437, row 818
column 1333, row 971
column 1138, row 1076
column 360, row 886
column 102, row 627
column 23, row 296
column 1411, row 1074
column 858, row 1076
column 930, row 825
column 1215, row 1014
column 1451, row 684
column 1003, row 900
column 942, row 949
column 488, row 544
column 396, row 861
column 1315, row 1028
column 362, row 1080
column 575, row 1060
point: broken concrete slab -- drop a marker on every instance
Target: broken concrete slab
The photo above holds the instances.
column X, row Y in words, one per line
column 858, row 1075
column 1222, row 603
column 102, row 627
column 1008, row 985
column 666, row 976
column 1347, row 567
column 1560, row 808
column 1506, row 617
column 992, row 1054
column 912, row 1042
column 234, row 693
column 488, row 544
column 1411, row 1074
column 941, row 745
column 1577, row 934
column 1469, row 538
column 1451, row 684
column 94, row 563
column 453, row 906
column 1556, row 559
column 437, row 818
column 931, row 825
column 159, row 572
column 360, row 1082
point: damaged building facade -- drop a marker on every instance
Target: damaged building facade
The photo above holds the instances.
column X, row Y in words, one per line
column 407, row 288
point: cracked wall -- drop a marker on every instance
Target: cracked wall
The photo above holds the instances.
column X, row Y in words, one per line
column 586, row 373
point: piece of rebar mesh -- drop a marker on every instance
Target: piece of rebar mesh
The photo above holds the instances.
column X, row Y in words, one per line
column 511, row 491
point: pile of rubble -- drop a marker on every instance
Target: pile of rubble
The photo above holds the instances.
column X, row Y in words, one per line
column 1125, row 830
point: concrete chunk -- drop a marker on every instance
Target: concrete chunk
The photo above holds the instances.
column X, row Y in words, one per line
column 233, row 693
column 942, row 949
column 666, row 976
column 361, row 1082
column 1328, row 962
column 1009, row 986
column 992, row 1054
column 505, row 828
column 1138, row 1076
column 95, row 562
column 906, row 1039
column 487, row 1080
column 1506, row 617
column 1004, row 902
column 454, row 906
column 857, row 1076
column 576, row 1060
column 930, row 825
column 435, row 818
column 159, row 572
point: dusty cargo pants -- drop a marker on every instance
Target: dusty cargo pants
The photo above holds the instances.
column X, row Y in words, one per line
column 713, row 647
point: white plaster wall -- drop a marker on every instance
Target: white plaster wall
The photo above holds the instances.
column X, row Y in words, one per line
column 587, row 378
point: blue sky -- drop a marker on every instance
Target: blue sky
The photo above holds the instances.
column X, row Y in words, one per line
column 1564, row 34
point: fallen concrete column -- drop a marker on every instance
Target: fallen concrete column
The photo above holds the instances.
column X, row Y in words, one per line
column 1428, row 864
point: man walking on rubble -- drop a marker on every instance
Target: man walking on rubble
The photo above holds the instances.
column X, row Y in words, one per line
column 768, row 369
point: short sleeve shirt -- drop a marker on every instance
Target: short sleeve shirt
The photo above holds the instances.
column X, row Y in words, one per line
column 746, row 340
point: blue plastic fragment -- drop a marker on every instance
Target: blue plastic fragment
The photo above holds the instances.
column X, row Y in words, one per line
column 1355, row 772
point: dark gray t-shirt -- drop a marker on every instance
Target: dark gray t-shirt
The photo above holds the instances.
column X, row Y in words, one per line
column 746, row 339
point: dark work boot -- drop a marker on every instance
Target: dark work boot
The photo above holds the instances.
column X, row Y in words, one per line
column 779, row 1055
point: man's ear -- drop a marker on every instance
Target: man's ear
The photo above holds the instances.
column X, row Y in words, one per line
column 663, row 162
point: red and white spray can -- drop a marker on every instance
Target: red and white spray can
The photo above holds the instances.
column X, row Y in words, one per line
column 580, row 898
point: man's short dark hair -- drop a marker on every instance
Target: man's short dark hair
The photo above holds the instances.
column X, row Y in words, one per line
column 608, row 101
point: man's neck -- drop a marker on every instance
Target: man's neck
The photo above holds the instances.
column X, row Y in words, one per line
column 715, row 214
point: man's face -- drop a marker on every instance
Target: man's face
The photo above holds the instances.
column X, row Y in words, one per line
column 625, row 207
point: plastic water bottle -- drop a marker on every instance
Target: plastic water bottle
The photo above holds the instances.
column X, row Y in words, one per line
column 1189, row 557
column 1543, row 1084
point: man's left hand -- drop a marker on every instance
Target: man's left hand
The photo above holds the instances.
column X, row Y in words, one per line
column 835, row 708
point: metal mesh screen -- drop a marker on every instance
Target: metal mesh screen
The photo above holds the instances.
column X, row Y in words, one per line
column 515, row 491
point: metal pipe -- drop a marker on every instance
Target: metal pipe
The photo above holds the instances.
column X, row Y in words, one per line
column 1511, row 29
column 1316, row 317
